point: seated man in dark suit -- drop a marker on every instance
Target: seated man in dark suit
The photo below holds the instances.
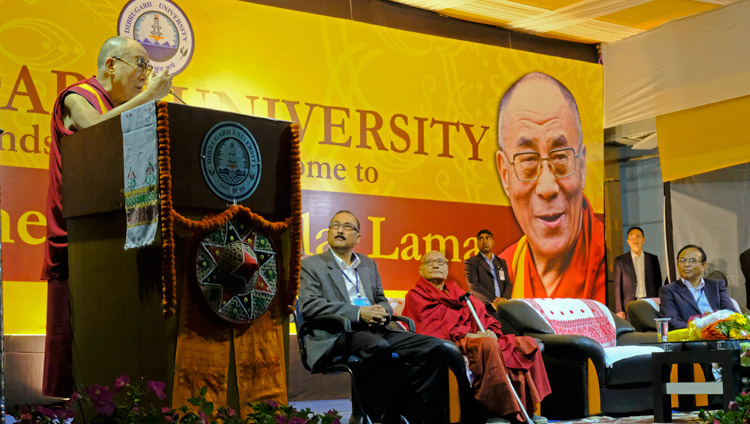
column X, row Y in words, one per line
column 341, row 282
column 487, row 274
column 692, row 295
column 637, row 273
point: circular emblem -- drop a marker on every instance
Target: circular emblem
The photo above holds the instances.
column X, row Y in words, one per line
column 162, row 29
column 230, row 161
column 236, row 271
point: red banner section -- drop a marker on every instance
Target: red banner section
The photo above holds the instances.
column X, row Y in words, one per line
column 24, row 192
column 397, row 232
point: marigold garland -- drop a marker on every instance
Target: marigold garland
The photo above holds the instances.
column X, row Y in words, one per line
column 296, row 218
column 169, row 217
column 168, row 278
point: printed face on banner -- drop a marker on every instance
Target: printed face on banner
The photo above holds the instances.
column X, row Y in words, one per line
column 542, row 166
column 538, row 119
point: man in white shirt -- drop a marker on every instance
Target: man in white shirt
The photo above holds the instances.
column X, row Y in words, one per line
column 487, row 275
column 637, row 273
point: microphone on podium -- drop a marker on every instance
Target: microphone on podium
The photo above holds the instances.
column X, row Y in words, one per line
column 177, row 97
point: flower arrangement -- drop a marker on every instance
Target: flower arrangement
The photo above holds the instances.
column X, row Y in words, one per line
column 719, row 325
column 737, row 412
column 139, row 403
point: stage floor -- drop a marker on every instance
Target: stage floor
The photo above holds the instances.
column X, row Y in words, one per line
column 344, row 407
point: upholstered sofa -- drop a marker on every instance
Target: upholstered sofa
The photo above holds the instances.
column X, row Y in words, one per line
column 611, row 376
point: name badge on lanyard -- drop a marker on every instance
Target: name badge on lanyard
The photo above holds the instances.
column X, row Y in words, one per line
column 359, row 300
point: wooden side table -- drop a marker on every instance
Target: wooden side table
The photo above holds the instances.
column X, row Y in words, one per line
column 661, row 363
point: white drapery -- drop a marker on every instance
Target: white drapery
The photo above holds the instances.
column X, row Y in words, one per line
column 712, row 210
column 680, row 65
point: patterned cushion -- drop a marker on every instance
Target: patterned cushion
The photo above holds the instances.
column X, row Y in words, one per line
column 583, row 317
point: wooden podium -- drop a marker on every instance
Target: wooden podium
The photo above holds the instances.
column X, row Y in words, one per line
column 116, row 294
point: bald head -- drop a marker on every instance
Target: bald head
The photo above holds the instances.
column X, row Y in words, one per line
column 115, row 46
column 539, row 116
column 434, row 267
column 536, row 78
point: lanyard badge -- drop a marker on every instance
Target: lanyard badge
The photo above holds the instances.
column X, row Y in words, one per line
column 359, row 300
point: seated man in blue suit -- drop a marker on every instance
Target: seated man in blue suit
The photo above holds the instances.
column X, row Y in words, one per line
column 692, row 295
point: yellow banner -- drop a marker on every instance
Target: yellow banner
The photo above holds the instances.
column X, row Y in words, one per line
column 383, row 112
column 683, row 135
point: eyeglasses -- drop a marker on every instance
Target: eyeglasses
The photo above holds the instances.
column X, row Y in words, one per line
column 140, row 66
column 345, row 226
column 690, row 261
column 433, row 262
column 528, row 165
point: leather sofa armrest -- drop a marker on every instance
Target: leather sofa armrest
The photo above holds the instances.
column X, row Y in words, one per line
column 522, row 317
column 573, row 347
column 622, row 326
column 636, row 337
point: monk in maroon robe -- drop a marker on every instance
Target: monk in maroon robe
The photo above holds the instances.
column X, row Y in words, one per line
column 435, row 307
column 123, row 70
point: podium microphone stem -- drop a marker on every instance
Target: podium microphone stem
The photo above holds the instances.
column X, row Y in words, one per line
column 177, row 97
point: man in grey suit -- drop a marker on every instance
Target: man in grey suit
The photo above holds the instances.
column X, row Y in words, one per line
column 341, row 282
column 692, row 294
column 637, row 273
column 486, row 274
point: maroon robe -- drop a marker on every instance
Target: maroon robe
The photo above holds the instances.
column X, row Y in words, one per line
column 58, row 371
column 439, row 313
column 584, row 277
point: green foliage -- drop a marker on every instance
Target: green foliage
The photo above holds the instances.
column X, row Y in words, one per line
column 738, row 411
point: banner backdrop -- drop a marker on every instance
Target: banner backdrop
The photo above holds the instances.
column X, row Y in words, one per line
column 398, row 127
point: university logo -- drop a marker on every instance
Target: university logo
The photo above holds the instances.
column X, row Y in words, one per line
column 162, row 29
column 230, row 161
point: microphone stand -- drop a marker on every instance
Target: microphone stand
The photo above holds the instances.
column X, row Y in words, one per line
column 465, row 298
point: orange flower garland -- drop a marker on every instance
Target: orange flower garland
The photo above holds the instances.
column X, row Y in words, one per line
column 296, row 230
column 169, row 217
column 168, row 278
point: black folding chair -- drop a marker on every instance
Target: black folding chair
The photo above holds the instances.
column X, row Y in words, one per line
column 338, row 363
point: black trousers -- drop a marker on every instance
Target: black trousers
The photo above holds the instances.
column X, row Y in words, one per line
column 413, row 385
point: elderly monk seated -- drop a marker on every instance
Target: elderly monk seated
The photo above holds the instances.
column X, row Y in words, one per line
column 437, row 311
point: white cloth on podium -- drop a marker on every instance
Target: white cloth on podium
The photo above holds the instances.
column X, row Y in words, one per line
column 141, row 172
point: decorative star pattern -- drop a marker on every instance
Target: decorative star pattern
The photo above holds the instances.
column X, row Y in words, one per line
column 260, row 286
